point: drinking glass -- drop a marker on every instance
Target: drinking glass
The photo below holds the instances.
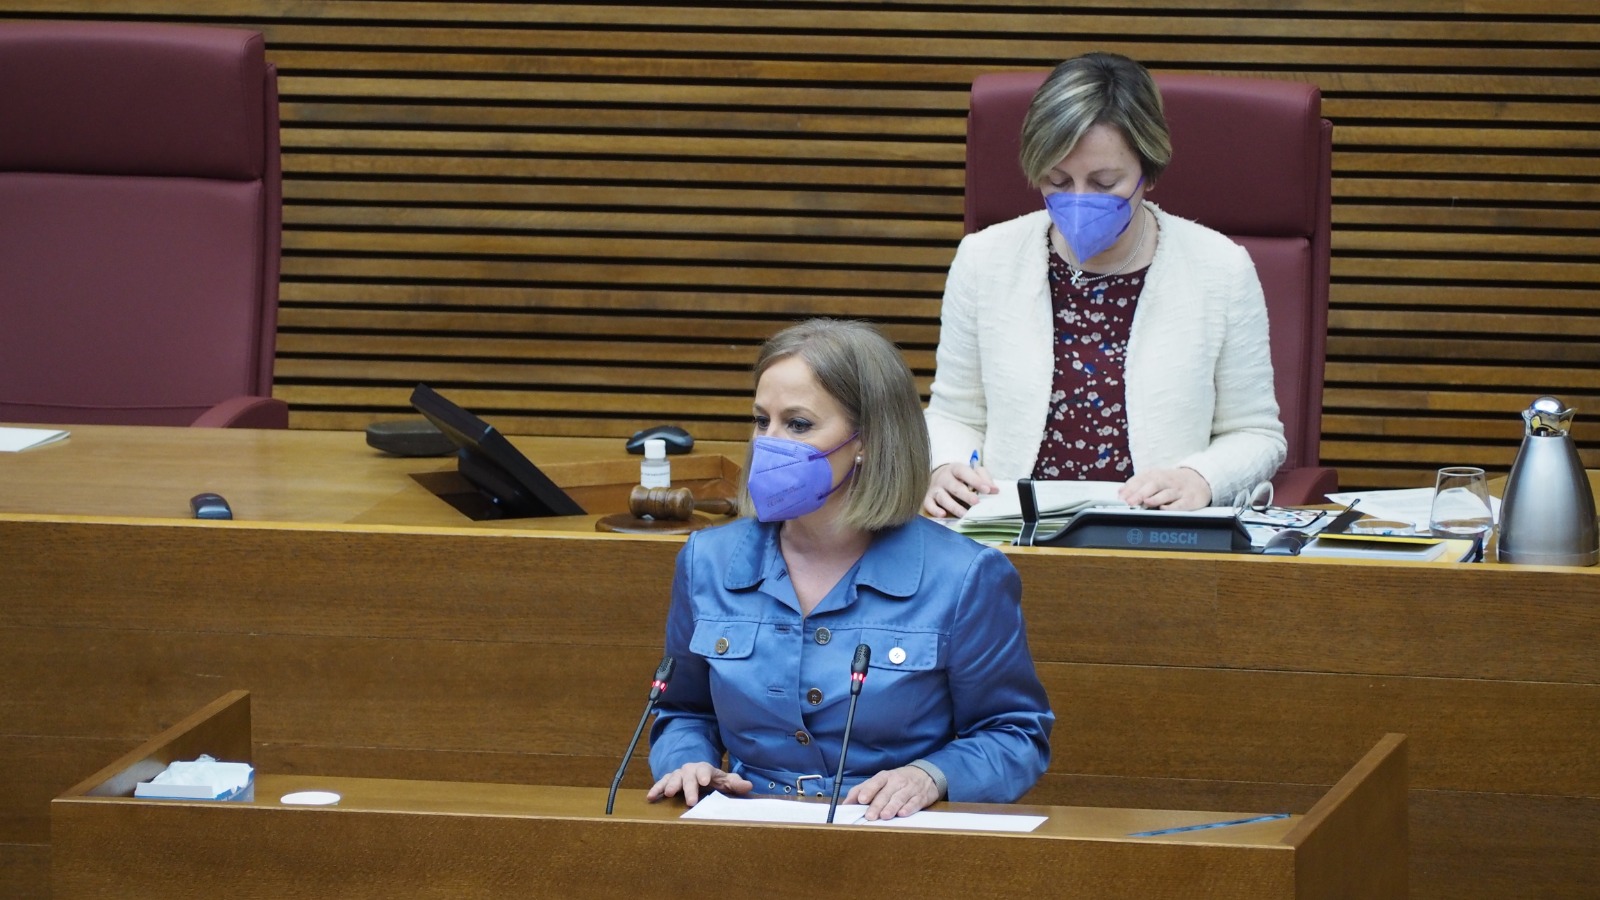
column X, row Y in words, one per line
column 1460, row 503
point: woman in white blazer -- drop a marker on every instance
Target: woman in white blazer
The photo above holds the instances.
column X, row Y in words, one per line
column 1101, row 338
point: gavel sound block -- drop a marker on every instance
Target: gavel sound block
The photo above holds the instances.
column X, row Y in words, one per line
column 664, row 511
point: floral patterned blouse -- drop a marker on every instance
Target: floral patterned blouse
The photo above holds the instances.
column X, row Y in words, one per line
column 1086, row 428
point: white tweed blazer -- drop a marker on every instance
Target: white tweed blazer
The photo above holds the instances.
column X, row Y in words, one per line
column 1199, row 367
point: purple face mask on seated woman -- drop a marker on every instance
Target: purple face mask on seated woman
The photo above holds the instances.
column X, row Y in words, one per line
column 1091, row 223
column 789, row 479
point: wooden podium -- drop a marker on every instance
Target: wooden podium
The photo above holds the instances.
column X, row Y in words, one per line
column 390, row 838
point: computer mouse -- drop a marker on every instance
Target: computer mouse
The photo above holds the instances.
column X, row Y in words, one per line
column 678, row 440
column 210, row 506
column 1285, row 543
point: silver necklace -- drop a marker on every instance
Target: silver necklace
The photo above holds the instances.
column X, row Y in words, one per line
column 1078, row 280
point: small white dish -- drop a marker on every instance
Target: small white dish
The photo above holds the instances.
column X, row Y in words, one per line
column 310, row 798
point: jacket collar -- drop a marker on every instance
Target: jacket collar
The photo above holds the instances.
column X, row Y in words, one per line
column 892, row 565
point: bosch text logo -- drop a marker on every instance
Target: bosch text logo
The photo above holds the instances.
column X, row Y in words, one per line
column 1175, row 538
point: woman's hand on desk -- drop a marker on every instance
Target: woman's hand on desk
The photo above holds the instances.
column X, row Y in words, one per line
column 693, row 779
column 954, row 487
column 895, row 792
column 1166, row 489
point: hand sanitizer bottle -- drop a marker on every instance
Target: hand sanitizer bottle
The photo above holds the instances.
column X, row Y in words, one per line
column 654, row 470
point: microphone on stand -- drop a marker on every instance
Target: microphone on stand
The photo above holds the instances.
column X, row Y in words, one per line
column 858, row 677
column 657, row 687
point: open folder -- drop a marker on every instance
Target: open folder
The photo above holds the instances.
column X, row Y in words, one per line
column 997, row 518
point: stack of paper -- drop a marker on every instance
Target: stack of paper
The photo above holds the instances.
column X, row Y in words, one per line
column 997, row 518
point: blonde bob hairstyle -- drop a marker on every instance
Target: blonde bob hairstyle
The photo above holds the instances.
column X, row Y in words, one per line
column 865, row 374
column 1089, row 90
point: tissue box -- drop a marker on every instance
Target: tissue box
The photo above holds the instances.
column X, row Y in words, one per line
column 202, row 779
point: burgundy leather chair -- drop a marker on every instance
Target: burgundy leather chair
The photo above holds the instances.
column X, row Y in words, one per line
column 140, row 225
column 1250, row 158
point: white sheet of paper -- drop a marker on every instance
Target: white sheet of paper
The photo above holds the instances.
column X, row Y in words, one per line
column 721, row 808
column 1412, row 505
column 13, row 440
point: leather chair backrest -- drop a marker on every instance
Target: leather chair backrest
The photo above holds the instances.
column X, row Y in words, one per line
column 1251, row 158
column 139, row 221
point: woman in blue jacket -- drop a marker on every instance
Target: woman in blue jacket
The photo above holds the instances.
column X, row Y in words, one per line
column 767, row 611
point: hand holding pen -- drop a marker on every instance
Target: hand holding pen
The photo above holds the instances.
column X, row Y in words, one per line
column 954, row 487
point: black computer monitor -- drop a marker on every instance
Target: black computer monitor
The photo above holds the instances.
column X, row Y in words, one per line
column 512, row 485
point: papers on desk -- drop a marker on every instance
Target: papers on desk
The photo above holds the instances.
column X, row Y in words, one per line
column 717, row 807
column 997, row 518
column 1414, row 505
column 14, row 440
column 1399, row 548
column 1058, row 499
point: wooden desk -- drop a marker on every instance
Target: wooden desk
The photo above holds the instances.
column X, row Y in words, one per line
column 391, row 838
column 322, row 477
column 509, row 655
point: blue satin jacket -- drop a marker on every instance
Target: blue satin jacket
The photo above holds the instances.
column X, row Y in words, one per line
column 951, row 680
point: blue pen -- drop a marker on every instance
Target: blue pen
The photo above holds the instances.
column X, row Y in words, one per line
column 1205, row 825
column 974, row 461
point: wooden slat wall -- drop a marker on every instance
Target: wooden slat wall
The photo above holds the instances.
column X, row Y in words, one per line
column 580, row 218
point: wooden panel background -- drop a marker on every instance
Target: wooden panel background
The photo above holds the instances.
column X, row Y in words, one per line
column 579, row 218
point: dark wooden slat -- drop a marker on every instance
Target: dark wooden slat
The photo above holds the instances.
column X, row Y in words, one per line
column 1480, row 349
column 504, row 325
column 306, row 198
column 1406, row 163
column 879, row 151
column 1393, row 219
column 786, row 306
column 535, row 118
column 1563, row 328
column 1451, row 296
column 759, row 175
column 1468, row 376
column 440, row 223
column 735, row 383
column 620, row 274
column 1467, row 268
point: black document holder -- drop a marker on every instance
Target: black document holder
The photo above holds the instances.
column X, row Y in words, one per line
column 1112, row 529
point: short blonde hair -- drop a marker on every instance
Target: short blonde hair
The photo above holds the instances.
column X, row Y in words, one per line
column 865, row 374
column 1090, row 90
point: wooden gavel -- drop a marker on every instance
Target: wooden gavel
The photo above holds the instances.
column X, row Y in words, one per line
column 674, row 504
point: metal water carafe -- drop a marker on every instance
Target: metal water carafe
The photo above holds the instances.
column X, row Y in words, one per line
column 1547, row 512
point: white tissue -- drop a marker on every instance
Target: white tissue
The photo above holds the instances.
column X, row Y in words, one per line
column 200, row 779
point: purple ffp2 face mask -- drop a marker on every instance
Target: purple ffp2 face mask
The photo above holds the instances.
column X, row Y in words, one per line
column 1091, row 223
column 789, row 479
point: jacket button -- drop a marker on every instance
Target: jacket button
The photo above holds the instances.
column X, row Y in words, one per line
column 897, row 655
column 722, row 646
column 802, row 737
column 814, row 697
column 824, row 635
